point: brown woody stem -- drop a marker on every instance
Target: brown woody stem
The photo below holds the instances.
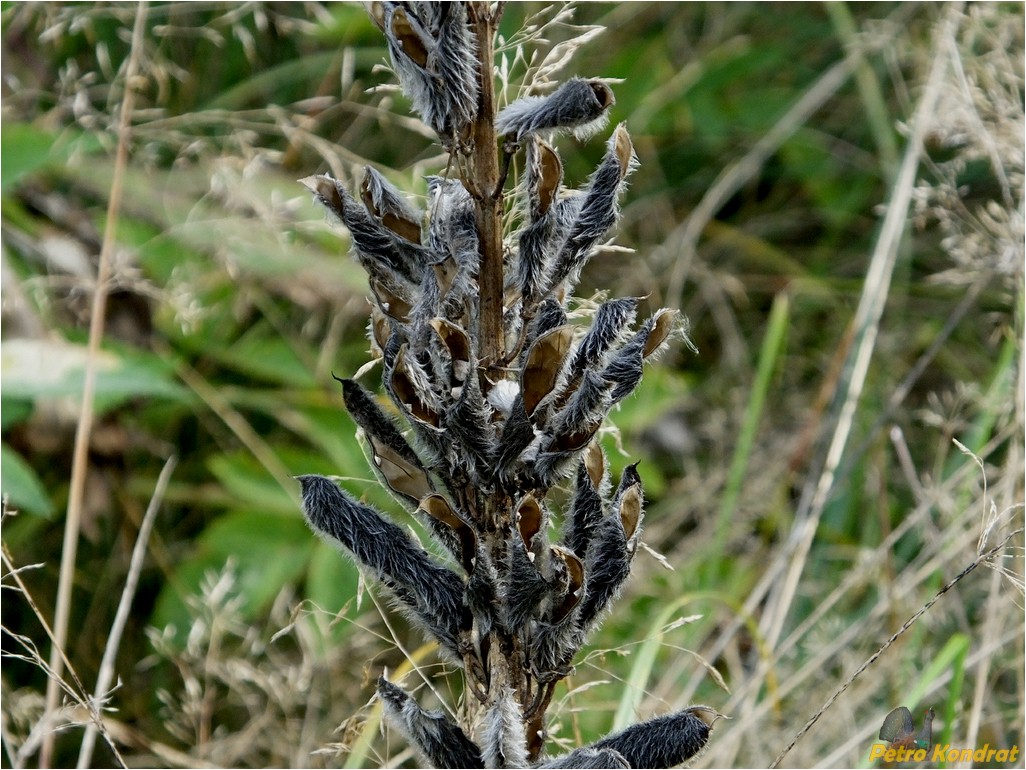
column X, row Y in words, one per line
column 487, row 190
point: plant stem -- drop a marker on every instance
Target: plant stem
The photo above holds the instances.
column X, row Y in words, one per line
column 486, row 188
column 80, row 457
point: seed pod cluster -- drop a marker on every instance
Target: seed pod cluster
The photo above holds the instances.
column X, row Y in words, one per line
column 474, row 451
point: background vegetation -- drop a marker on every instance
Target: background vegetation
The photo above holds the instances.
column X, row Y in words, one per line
column 802, row 474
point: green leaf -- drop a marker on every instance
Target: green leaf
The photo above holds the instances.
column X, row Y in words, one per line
column 25, row 148
column 331, row 582
column 249, row 482
column 21, row 484
column 36, row 369
column 14, row 411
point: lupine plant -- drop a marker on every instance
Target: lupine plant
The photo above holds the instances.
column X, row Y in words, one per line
column 498, row 399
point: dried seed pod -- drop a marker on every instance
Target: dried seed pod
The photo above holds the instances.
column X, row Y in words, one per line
column 574, row 569
column 368, row 415
column 544, row 176
column 545, row 360
column 386, row 203
column 440, row 740
column 503, row 743
column 436, row 64
column 587, row 758
column 517, row 435
column 530, row 519
column 598, row 211
column 607, row 330
column 456, row 342
column 432, row 594
column 402, row 477
column 595, row 463
column 664, row 741
column 439, row 509
column 584, row 514
column 663, row 323
column 548, row 316
column 578, row 105
column 384, row 255
column 412, row 390
column 391, row 302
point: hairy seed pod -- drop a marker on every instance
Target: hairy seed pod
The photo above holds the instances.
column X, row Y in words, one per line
column 584, row 514
column 386, row 203
column 503, row 743
column 542, row 183
column 368, row 415
column 544, row 363
column 587, row 758
column 664, row 741
column 607, row 329
column 625, row 366
column 471, row 435
column 382, row 253
column 395, row 461
column 431, row 593
column 578, row 105
column 452, row 238
column 526, row 588
column 598, row 211
column 587, row 405
column 517, row 435
column 435, row 60
column 439, row 509
column 440, row 740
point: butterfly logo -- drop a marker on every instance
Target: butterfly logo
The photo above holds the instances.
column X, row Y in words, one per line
column 900, row 731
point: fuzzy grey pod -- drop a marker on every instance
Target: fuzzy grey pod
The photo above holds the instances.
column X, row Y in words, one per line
column 598, row 210
column 382, row 253
column 433, row 53
column 388, row 205
column 452, row 234
column 584, row 515
column 440, row 740
column 471, row 433
column 587, row 758
column 432, row 593
column 607, row 329
column 503, row 743
column 625, row 368
column 517, row 435
column 368, row 415
column 608, row 563
column 664, row 741
column 578, row 105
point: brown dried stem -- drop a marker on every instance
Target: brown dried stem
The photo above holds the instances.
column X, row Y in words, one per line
column 487, row 188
